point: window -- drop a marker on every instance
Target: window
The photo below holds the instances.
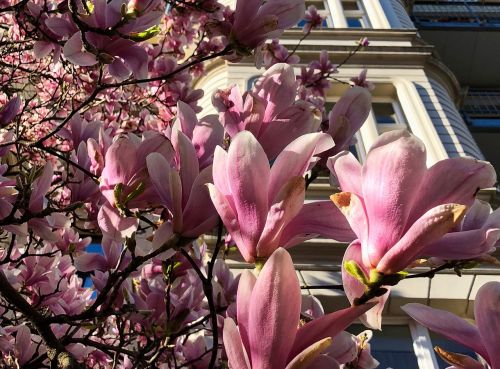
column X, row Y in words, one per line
column 388, row 114
column 355, row 14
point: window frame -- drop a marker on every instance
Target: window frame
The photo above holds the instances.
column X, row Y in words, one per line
column 401, row 121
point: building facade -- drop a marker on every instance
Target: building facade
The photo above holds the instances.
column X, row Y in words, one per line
column 424, row 81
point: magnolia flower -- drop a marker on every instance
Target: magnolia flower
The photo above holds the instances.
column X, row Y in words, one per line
column 269, row 111
column 313, row 19
column 124, row 180
column 9, row 111
column 478, row 234
column 347, row 117
column 205, row 134
column 260, row 206
column 482, row 338
column 180, row 184
column 399, row 208
column 258, row 20
column 268, row 313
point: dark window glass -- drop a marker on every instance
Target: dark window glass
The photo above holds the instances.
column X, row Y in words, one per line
column 350, row 5
column 484, row 122
column 354, row 22
column 384, row 113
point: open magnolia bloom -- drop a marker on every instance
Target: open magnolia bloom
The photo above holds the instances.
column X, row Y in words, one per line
column 257, row 20
column 262, row 207
column 400, row 209
column 268, row 313
column 483, row 338
column 269, row 111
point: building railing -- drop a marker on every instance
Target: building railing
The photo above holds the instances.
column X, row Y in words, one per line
column 465, row 13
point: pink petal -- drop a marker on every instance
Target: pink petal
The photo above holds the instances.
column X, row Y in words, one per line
column 289, row 12
column 186, row 118
column 448, row 325
column 231, row 223
column 42, row 48
column 277, row 86
column 234, row 348
column 463, row 245
column 430, row 227
column 274, row 312
column 121, row 164
column 24, row 345
column 329, row 325
column 243, row 304
column 348, row 115
column 295, row 159
column 199, row 215
column 219, row 171
column 253, row 114
column 347, row 169
column 40, row 188
column 248, row 176
column 319, row 218
column 354, row 211
column 74, row 51
column 392, row 174
column 207, row 135
column 297, row 120
column 168, row 187
column 245, row 9
column 89, row 262
column 487, row 313
column 187, row 163
column 469, row 174
column 285, row 207
column 113, row 225
column 59, row 26
column 119, row 70
column 477, row 215
column 304, row 359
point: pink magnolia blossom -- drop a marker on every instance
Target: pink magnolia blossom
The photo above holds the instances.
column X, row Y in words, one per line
column 483, row 337
column 125, row 166
column 180, row 185
column 478, row 234
column 205, row 134
column 9, row 111
column 262, row 207
column 362, row 81
column 269, row 111
column 347, row 117
column 257, row 20
column 313, row 19
column 399, row 208
column 268, row 312
column 274, row 53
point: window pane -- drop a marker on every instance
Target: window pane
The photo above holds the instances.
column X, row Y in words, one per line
column 350, row 5
column 354, row 22
column 484, row 122
column 448, row 345
column 392, row 347
column 384, row 113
